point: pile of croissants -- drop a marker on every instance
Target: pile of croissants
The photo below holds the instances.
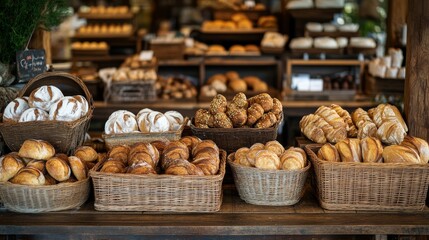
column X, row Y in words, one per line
column 370, row 150
column 260, row 111
column 187, row 156
column 37, row 164
column 270, row 156
column 334, row 124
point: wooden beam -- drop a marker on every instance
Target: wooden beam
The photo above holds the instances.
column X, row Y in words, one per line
column 417, row 78
column 396, row 18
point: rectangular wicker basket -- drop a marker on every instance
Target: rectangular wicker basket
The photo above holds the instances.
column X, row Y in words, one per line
column 231, row 139
column 64, row 136
column 369, row 186
column 269, row 187
column 112, row 140
column 169, row 193
column 36, row 199
column 132, row 91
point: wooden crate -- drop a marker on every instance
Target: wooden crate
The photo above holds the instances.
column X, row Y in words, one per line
column 167, row 50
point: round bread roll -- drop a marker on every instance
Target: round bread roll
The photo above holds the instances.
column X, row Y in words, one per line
column 36, row 149
column 236, row 17
column 238, row 85
column 29, row 176
column 113, row 166
column 221, row 120
column 139, row 152
column 257, row 146
column 216, row 49
column 175, row 119
column 325, row 43
column 219, row 86
column 240, row 156
column 218, row 104
column 44, row 97
column 144, row 111
column 33, row 114
column 39, row 164
column 209, row 91
column 121, row 122
column 251, row 48
column 66, row 109
column 229, row 25
column 245, row 24
column 153, row 122
column 265, row 159
column 329, row 153
column 58, row 169
column 237, row 49
column 301, row 43
column 291, row 160
column 86, row 154
column 14, row 110
column 362, row 42
column 78, row 167
column 275, row 147
column 314, row 27
column 10, row 164
column 141, row 168
column 217, row 77
column 83, row 102
column 328, row 27
column 231, row 75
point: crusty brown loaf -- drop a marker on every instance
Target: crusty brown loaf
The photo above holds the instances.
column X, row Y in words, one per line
column 29, row 176
column 36, row 149
column 10, row 164
column 58, row 169
column 39, row 164
column 204, row 119
column 218, row 104
column 160, row 145
column 237, row 115
column 78, row 168
column 268, row 160
column 183, row 167
column 113, row 166
column 190, row 141
column 86, row 153
column 400, row 154
column 366, row 127
column 263, row 99
column 63, row 156
column 267, row 120
column 231, row 75
column 237, row 85
column 221, row 120
column 372, row 150
column 391, row 127
column 349, row 150
column 141, row 149
column 391, row 132
column 254, row 113
column 206, row 156
column 120, row 153
column 174, row 150
column 351, row 130
column 141, row 168
column 419, row 145
column 329, row 153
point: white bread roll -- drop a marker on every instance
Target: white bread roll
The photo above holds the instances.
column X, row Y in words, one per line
column 325, row 43
column 362, row 42
column 329, row 3
column 33, row 114
column 351, row 27
column 301, row 43
column 342, row 42
column 299, row 4
column 175, row 119
column 157, row 122
column 84, row 103
column 219, row 86
column 314, row 27
column 144, row 111
column 44, row 97
column 328, row 27
column 121, row 121
column 66, row 109
column 14, row 110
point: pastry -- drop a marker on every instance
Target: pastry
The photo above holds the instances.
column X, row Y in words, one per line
column 309, row 127
column 203, row 119
column 349, row 150
column 14, row 110
column 10, row 164
column 329, row 153
column 400, row 154
column 351, row 128
column 277, row 108
column 218, row 104
column 33, row 114
column 267, row 120
column 36, row 149
column 78, row 167
column 44, row 97
column 254, row 113
column 331, row 117
column 293, row 159
column 366, row 127
column 240, row 156
column 391, row 132
column 121, row 122
column 240, row 100
column 29, row 176
column 263, row 99
column 221, row 120
column 237, row 115
column 86, row 154
column 58, row 169
column 372, row 150
column 275, row 147
column 419, row 145
column 265, row 159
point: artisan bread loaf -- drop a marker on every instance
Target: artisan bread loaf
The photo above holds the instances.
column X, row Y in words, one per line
column 86, row 154
column 175, row 119
column 372, row 150
column 419, row 145
column 33, row 114
column 14, row 110
column 29, row 176
column 400, row 154
column 66, row 109
column 349, row 150
column 10, row 164
column 119, row 153
column 329, row 152
column 78, row 168
column 36, row 149
column 58, row 169
column 44, row 97
column 183, row 167
column 121, row 121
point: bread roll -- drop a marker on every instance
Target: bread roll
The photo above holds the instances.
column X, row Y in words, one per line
column 221, row 120
column 292, row 159
column 144, row 152
column 58, row 169
column 331, row 117
column 240, row 100
column 119, row 153
column 66, row 109
column 141, row 168
column 33, row 114
column 267, row 160
column 39, row 164
column 254, row 113
column 174, row 150
column 263, row 99
column 121, row 122
column 203, row 145
column 78, row 167
column 400, row 154
column 14, row 110
column 83, row 102
column 218, row 104
column 29, row 176
column 419, row 145
column 44, row 97
column 237, row 49
column 203, row 119
column 238, row 116
column 267, row 120
column 86, row 153
column 62, row 156
column 366, row 127
column 36, row 149
column 391, row 132
column 10, row 164
column 351, row 128
column 217, row 77
column 238, row 85
column 277, row 108
column 329, row 153
column 183, row 167
column 372, row 150
column 231, row 75
column 240, row 156
column 113, row 166
column 251, row 157
column 209, row 165
column 175, row 119
column 245, row 24
column 144, row 111
column 349, row 150
column 275, row 147
column 190, row 142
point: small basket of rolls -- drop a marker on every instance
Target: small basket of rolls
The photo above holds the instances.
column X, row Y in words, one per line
column 239, row 123
column 267, row 174
column 124, row 127
column 383, row 169
column 54, row 106
column 37, row 179
column 184, row 175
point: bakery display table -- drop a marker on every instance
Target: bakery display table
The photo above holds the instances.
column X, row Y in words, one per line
column 235, row 218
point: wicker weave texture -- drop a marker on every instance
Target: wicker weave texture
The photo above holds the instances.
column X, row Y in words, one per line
column 139, row 91
column 168, row 193
column 36, row 199
column 269, row 187
column 112, row 140
column 369, row 186
column 64, row 136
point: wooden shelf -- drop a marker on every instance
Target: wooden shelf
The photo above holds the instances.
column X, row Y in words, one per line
column 314, row 13
column 327, row 62
column 239, row 62
column 89, row 16
column 100, row 58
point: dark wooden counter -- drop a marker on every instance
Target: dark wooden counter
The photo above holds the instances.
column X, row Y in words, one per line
column 235, row 218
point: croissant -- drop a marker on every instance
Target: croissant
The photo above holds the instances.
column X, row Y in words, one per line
column 237, row 115
column 366, row 127
column 174, row 150
column 311, row 130
column 254, row 113
column 351, row 130
column 263, row 99
column 267, row 120
column 331, row 117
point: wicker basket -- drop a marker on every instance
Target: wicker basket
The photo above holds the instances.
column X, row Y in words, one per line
column 269, row 187
column 369, row 186
column 170, row 193
column 35, row 199
column 112, row 140
column 231, row 139
column 134, row 91
column 64, row 136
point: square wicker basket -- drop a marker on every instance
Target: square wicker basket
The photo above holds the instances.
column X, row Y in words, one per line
column 167, row 193
column 369, row 186
column 269, row 187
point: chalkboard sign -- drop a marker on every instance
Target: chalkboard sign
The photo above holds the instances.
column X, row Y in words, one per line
column 30, row 63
